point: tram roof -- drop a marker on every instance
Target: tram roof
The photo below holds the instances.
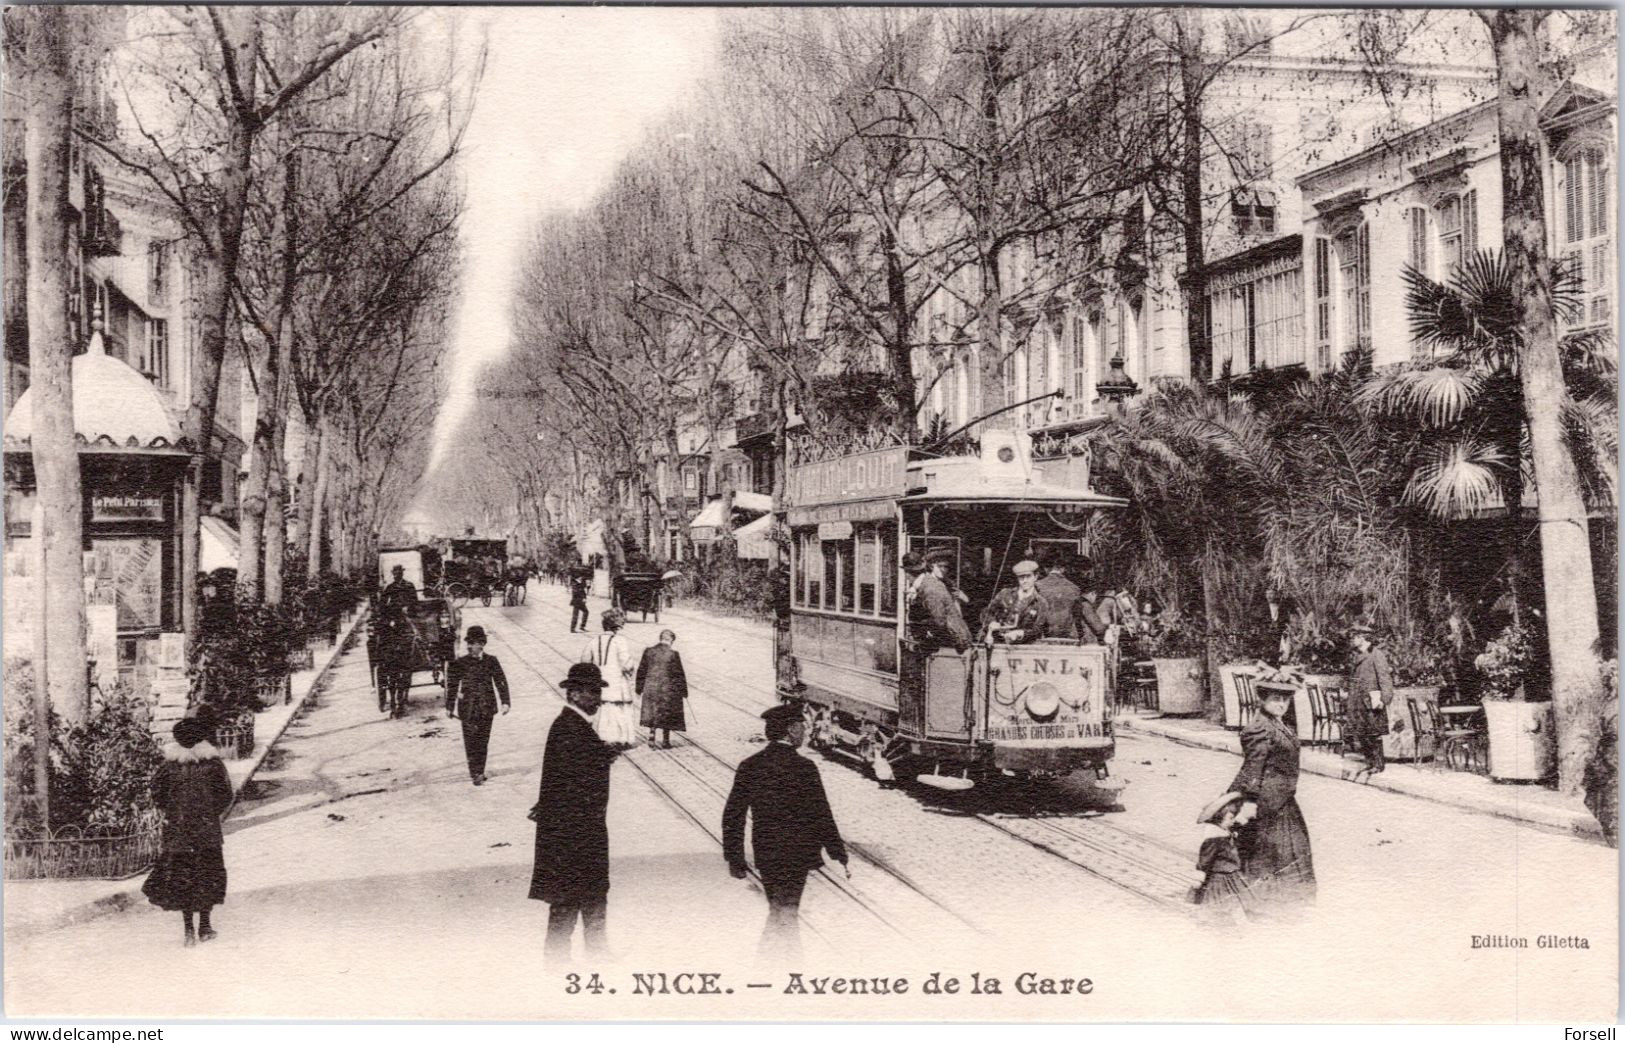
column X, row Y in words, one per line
column 1037, row 497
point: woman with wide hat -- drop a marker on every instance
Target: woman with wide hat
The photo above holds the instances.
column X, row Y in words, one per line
column 193, row 791
column 1272, row 839
column 612, row 654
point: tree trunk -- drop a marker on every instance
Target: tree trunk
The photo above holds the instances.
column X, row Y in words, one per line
column 318, row 501
column 276, row 531
column 241, row 27
column 1571, row 602
column 304, row 491
column 60, row 664
column 251, row 550
column 1190, row 178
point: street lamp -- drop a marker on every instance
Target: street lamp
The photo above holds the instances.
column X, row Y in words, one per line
column 1116, row 386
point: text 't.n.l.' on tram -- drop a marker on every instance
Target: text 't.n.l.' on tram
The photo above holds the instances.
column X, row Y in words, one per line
column 876, row 685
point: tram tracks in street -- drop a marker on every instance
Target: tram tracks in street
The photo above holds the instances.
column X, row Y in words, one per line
column 695, row 780
column 1144, row 867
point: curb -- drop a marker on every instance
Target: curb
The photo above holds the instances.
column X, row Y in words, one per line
column 265, row 748
column 1576, row 823
column 128, row 898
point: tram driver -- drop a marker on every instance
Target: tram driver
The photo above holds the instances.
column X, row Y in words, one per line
column 1017, row 615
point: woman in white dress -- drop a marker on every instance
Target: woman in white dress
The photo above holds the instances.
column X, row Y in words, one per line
column 617, row 718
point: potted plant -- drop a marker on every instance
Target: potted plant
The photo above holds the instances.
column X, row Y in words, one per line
column 1321, row 648
column 1176, row 648
column 1417, row 657
column 1522, row 731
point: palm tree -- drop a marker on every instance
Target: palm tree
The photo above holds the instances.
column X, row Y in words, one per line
column 1473, row 407
column 1469, row 401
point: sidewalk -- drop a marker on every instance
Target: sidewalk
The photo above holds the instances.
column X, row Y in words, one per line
column 35, row 906
column 1530, row 804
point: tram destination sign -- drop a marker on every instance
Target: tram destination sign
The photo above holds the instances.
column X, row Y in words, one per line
column 862, row 476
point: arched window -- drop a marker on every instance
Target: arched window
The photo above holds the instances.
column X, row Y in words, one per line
column 1458, row 231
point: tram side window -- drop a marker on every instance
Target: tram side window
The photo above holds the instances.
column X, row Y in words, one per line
column 798, row 571
column 831, row 550
column 848, row 568
column 888, row 571
column 815, row 571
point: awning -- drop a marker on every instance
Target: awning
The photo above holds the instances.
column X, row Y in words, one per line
column 758, row 502
column 756, row 539
column 710, row 517
column 219, row 546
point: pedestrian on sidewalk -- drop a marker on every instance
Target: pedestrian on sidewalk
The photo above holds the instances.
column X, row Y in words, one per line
column 662, row 686
column 193, row 790
column 790, row 825
column 578, row 602
column 571, row 871
column 1371, row 689
column 474, row 685
column 1271, row 836
column 612, row 654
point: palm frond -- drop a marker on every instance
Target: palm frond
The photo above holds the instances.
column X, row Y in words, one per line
column 1437, row 396
column 1462, row 476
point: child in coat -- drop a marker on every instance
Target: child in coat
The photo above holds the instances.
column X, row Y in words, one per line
column 1223, row 892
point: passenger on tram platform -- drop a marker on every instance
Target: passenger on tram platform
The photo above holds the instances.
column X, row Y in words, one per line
column 934, row 612
column 1017, row 615
column 1062, row 596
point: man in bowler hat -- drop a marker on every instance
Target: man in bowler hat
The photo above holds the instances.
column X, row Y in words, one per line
column 790, row 825
column 474, row 685
column 571, row 872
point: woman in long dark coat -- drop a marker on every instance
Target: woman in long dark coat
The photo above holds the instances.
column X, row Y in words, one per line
column 1272, row 837
column 193, row 790
column 662, row 686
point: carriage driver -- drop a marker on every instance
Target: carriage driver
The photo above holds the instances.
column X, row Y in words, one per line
column 1017, row 615
column 398, row 594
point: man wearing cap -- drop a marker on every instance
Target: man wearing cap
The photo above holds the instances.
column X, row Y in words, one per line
column 1371, row 689
column 571, row 871
column 932, row 609
column 1017, row 615
column 474, row 684
column 790, row 825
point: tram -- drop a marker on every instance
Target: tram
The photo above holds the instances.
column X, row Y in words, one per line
column 876, row 691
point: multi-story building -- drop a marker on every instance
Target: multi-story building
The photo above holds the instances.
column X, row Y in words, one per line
column 132, row 272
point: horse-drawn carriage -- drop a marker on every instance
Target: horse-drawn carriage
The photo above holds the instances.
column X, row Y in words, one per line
column 639, row 592
column 476, row 568
column 409, row 633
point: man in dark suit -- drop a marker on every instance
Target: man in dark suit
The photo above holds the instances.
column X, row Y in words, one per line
column 790, row 825
column 474, row 685
column 578, row 600
column 398, row 595
column 1061, row 597
column 571, row 872
column 932, row 609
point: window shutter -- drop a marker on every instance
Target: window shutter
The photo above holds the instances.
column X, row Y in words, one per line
column 1469, row 223
column 1598, row 171
column 1571, row 199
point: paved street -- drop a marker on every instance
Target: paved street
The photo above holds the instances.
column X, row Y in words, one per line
column 370, row 879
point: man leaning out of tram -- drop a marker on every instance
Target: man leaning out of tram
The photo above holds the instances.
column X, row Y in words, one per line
column 1018, row 613
column 932, row 609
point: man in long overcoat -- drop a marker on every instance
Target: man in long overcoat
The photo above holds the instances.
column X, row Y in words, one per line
column 933, row 609
column 571, row 872
column 662, row 686
column 790, row 826
column 475, row 685
column 1371, row 689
